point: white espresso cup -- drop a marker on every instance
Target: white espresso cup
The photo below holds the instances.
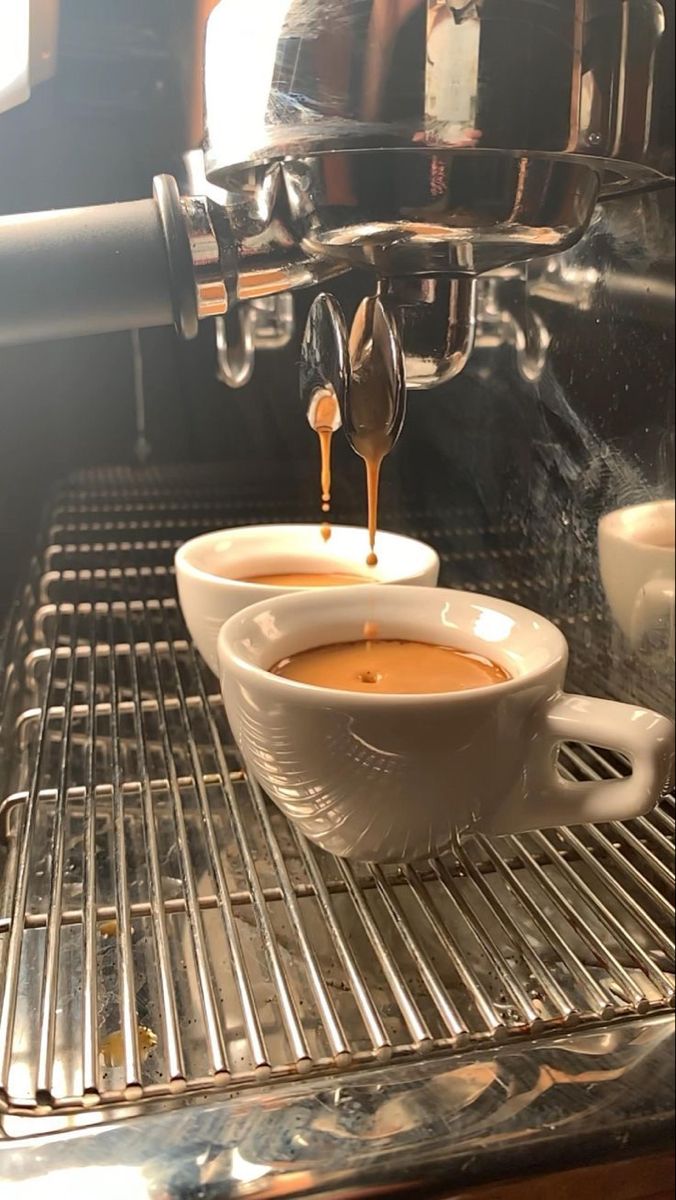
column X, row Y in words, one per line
column 637, row 561
column 395, row 777
column 211, row 570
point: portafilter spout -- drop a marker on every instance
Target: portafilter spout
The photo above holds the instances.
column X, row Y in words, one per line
column 324, row 366
column 365, row 374
column 375, row 402
column 435, row 317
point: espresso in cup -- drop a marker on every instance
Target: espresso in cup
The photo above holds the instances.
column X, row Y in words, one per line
column 218, row 574
column 391, row 667
column 307, row 579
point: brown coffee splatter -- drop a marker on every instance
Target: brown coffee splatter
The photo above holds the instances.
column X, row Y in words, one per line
column 112, row 1047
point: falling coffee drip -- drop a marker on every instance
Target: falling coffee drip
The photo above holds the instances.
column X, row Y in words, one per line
column 323, row 382
column 324, row 417
column 372, row 489
column 325, row 436
column 375, row 402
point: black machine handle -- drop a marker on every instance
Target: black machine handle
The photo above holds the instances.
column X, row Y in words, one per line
column 79, row 271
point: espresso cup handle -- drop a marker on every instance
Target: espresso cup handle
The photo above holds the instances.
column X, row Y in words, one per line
column 644, row 737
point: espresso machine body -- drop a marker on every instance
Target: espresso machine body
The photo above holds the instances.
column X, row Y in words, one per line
column 193, row 1001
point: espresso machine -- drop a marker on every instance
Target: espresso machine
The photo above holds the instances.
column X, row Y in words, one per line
column 469, row 204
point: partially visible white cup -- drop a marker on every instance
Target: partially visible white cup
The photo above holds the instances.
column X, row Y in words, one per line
column 211, row 570
column 395, row 777
column 637, row 561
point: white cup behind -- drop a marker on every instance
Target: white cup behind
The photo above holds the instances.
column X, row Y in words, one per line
column 637, row 562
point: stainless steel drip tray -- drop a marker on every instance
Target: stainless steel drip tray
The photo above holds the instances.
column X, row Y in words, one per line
column 178, row 964
column 420, row 1130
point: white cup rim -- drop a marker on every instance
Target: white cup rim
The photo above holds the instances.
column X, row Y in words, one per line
column 427, row 557
column 234, row 631
column 622, row 523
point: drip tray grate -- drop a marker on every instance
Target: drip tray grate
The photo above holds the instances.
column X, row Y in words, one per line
column 164, row 930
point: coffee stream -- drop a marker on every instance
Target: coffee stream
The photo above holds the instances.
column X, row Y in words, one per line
column 325, row 439
column 373, row 466
column 375, row 405
column 324, row 417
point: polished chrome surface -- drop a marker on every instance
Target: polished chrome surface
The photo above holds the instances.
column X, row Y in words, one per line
column 324, row 364
column 264, row 250
column 406, row 138
column 425, row 1129
column 374, row 407
column 260, row 253
column 165, row 934
column 588, row 286
column 422, row 211
column 274, row 321
column 436, row 322
column 212, row 295
column 425, row 138
column 235, row 347
column 567, row 77
column 433, row 320
column 504, row 318
column 265, row 324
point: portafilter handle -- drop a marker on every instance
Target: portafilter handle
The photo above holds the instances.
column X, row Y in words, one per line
column 109, row 267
